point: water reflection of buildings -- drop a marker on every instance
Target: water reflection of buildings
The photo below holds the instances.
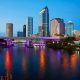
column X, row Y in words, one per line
column 24, row 66
column 42, row 62
column 8, row 65
column 65, row 64
column 55, row 60
column 78, row 53
column 69, row 65
column 73, row 60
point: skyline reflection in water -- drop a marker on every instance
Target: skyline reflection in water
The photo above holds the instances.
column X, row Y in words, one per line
column 21, row 63
column 24, row 66
column 8, row 65
column 42, row 62
column 8, row 61
column 69, row 66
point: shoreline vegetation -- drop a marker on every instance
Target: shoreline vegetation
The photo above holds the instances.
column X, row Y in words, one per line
column 65, row 44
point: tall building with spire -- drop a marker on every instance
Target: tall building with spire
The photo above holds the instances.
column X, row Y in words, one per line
column 44, row 22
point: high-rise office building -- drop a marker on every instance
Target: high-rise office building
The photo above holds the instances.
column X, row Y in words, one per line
column 19, row 34
column 57, row 27
column 70, row 28
column 29, row 27
column 9, row 30
column 44, row 22
column 24, row 30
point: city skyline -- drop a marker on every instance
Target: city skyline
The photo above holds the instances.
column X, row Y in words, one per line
column 16, row 12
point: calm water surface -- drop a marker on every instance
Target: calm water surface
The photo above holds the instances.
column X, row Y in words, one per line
column 21, row 63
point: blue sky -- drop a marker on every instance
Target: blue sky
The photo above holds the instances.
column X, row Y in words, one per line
column 17, row 11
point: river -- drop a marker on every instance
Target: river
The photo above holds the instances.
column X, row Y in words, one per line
column 22, row 63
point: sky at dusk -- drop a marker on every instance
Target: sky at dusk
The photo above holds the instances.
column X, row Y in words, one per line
column 17, row 11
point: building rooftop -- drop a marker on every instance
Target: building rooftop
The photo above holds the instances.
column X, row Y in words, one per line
column 45, row 8
column 58, row 19
column 70, row 21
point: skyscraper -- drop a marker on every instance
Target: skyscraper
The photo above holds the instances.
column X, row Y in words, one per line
column 70, row 28
column 44, row 22
column 9, row 30
column 57, row 27
column 29, row 27
column 24, row 30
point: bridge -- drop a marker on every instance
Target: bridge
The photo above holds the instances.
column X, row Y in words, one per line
column 24, row 39
column 36, row 41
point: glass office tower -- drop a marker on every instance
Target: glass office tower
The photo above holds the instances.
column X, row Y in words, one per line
column 29, row 27
column 44, row 22
column 70, row 28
